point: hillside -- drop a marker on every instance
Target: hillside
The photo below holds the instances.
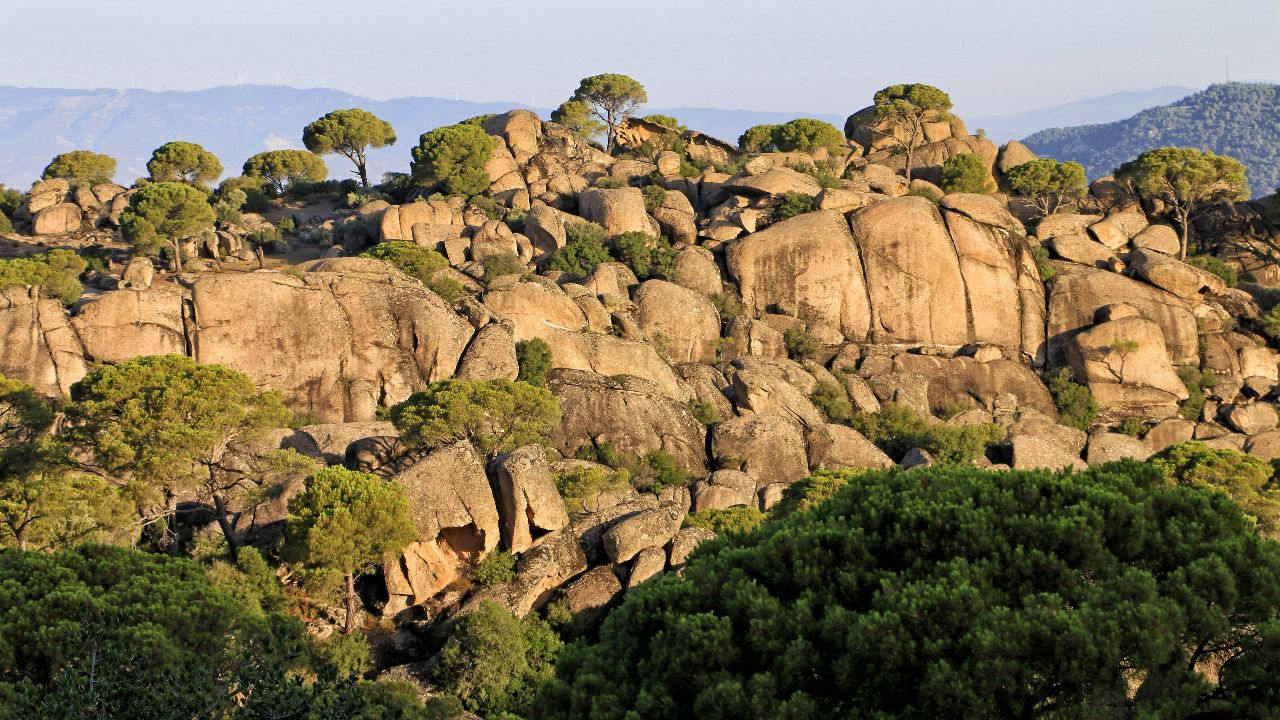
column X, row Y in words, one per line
column 1087, row 111
column 235, row 122
column 1239, row 119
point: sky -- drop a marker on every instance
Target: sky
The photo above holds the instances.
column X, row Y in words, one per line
column 993, row 56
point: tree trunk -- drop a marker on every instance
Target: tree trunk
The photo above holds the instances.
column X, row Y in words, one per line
column 351, row 605
column 177, row 255
column 1183, row 236
column 225, row 524
column 364, row 175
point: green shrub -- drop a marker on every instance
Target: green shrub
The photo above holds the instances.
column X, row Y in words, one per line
column 6, row 225
column 734, row 520
column 452, row 159
column 449, row 289
column 496, row 266
column 580, row 487
column 826, row 173
column 491, row 208
column 267, row 238
column 647, row 256
column 654, row 196
column 584, row 249
column 704, row 412
column 832, row 400
column 926, row 193
column 1269, row 323
column 793, row 204
column 411, row 259
column 966, row 173
column 81, row 167
column 814, row 490
column 495, row 661
column 728, row 305
column 798, row 343
column 534, row 359
column 801, row 134
column 10, row 200
column 1043, row 266
column 496, row 567
column 515, row 220
column 658, row 469
column 1196, row 382
column 896, row 429
column 610, row 183
column 1075, row 403
column 56, row 273
column 1132, row 427
column 1209, row 263
column 1246, row 479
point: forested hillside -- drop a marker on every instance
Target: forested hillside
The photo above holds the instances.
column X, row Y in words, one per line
column 1237, row 119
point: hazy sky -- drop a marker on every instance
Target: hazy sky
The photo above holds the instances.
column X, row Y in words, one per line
column 994, row 56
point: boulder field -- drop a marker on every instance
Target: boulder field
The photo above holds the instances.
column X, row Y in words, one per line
column 879, row 295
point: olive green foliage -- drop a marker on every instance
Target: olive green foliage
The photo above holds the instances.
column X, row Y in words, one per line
column 1048, row 183
column 826, row 172
column 495, row 661
column 966, row 173
column 1075, row 403
column 1209, row 263
column 756, row 139
column 654, row 196
column 1186, row 180
column 492, row 208
column 908, row 107
column 1132, row 427
column 793, row 204
column 1269, row 323
column 56, row 273
column 666, row 121
column 418, row 262
column 1046, row 269
column 582, row 486
column 727, row 520
column 452, row 159
column 496, row 266
column 704, row 412
column 933, row 196
column 650, row 472
column 10, row 200
column 942, row 594
column 496, row 416
column 349, row 133
column 496, row 567
column 534, row 358
column 577, row 117
column 1196, row 381
column 281, row 169
column 832, row 400
column 610, row 183
column 584, row 249
column 814, row 490
column 345, row 524
column 267, row 239
column 798, row 343
column 148, row 636
column 799, row 135
column 609, row 98
column 6, row 225
column 1246, row 479
column 240, row 194
column 170, row 426
column 163, row 214
column 647, row 256
column 184, row 162
column 24, row 416
column 81, row 166
column 250, row 580
column 728, row 305
column 896, row 429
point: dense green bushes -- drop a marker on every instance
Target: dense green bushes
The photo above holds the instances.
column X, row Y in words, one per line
column 801, row 134
column 580, row 487
column 495, row 661
column 728, row 520
column 647, row 256
column 793, row 204
column 534, row 359
column 496, row 567
column 1075, row 403
column 419, row 262
column 452, row 159
column 1196, row 381
column 584, row 249
column 56, row 273
column 896, row 429
column 1244, row 478
column 966, row 173
column 81, row 167
column 950, row 593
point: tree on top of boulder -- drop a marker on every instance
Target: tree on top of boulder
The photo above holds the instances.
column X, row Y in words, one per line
column 799, row 135
column 1186, row 180
column 1048, row 183
column 452, row 159
column 907, row 108
column 81, row 166
column 164, row 214
column 966, row 173
column 350, row 133
column 283, row 168
column 577, row 118
column 496, row 416
column 184, row 162
column 610, row 98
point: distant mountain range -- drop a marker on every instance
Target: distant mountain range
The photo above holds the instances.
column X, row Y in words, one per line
column 1238, row 119
column 1102, row 109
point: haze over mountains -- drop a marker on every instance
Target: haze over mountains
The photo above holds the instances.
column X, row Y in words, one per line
column 235, row 122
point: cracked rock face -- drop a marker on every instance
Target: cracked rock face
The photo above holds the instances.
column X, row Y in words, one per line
column 336, row 342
